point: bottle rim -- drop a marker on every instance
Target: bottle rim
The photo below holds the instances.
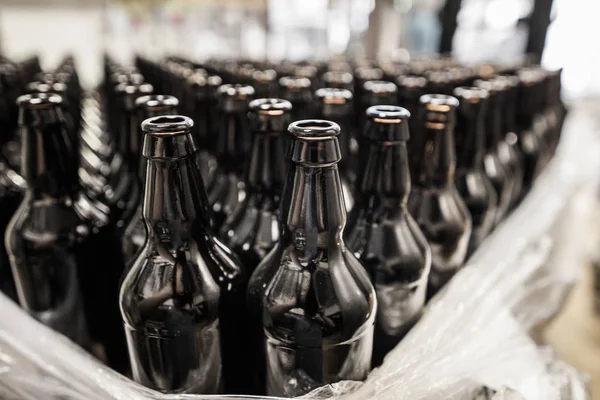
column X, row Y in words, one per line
column 270, row 106
column 380, row 87
column 39, row 100
column 314, row 129
column 334, row 95
column 156, row 101
column 167, row 125
column 439, row 102
column 236, row 91
column 471, row 94
column 387, row 114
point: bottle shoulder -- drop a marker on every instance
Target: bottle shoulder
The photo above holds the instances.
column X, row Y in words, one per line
column 332, row 291
column 391, row 250
column 163, row 285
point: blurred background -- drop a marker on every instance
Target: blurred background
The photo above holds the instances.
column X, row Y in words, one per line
column 550, row 32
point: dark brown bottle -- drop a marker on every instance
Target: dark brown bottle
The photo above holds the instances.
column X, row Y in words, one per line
column 181, row 301
column 204, row 111
column 299, row 92
column 233, row 143
column 364, row 74
column 43, row 234
column 434, row 201
column 319, row 305
column 251, row 230
column 336, row 105
column 497, row 169
column 410, row 90
column 135, row 232
column 381, row 232
column 508, row 150
column 472, row 183
column 129, row 147
column 532, row 148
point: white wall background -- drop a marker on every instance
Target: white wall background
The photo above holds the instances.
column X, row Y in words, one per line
column 52, row 31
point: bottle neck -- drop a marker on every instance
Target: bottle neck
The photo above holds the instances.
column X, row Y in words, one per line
column 267, row 165
column 49, row 163
column 470, row 140
column 175, row 204
column 129, row 141
column 312, row 208
column 204, row 111
column 437, row 162
column 385, row 175
column 494, row 125
column 232, row 142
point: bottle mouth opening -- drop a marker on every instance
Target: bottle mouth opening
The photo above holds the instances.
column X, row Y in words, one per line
column 334, row 95
column 167, row 125
column 270, row 106
column 295, row 82
column 339, row 77
column 314, row 129
column 39, row 100
column 412, row 82
column 387, row 114
column 471, row 94
column 439, row 102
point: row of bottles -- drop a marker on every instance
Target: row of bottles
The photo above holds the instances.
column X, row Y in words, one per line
column 190, row 220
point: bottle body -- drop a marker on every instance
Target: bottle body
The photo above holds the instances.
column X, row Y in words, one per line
column 332, row 340
column 383, row 235
column 41, row 241
column 185, row 291
column 172, row 322
column 319, row 307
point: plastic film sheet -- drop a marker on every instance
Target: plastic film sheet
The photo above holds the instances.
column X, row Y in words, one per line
column 472, row 342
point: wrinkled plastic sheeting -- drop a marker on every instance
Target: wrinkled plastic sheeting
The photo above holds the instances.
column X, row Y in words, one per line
column 474, row 333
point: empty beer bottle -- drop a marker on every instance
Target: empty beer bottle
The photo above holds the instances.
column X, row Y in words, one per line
column 233, row 143
column 264, row 82
column 472, row 183
column 532, row 148
column 180, row 302
column 319, row 306
column 382, row 233
column 251, row 230
column 374, row 93
column 204, row 111
column 511, row 150
column 336, row 105
column 43, row 234
column 434, row 201
column 135, row 231
column 497, row 170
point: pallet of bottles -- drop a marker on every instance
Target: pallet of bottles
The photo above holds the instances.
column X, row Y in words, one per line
column 251, row 228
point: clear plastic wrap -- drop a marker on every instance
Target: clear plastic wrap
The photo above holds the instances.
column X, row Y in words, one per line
column 474, row 333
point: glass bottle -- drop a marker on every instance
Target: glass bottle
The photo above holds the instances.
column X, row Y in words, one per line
column 434, row 201
column 135, row 232
column 128, row 142
column 181, row 301
column 319, row 306
column 336, row 105
column 472, row 183
column 42, row 235
column 497, row 169
column 508, row 150
column 381, row 232
column 204, row 104
column 264, row 82
column 530, row 144
column 251, row 230
column 233, row 144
